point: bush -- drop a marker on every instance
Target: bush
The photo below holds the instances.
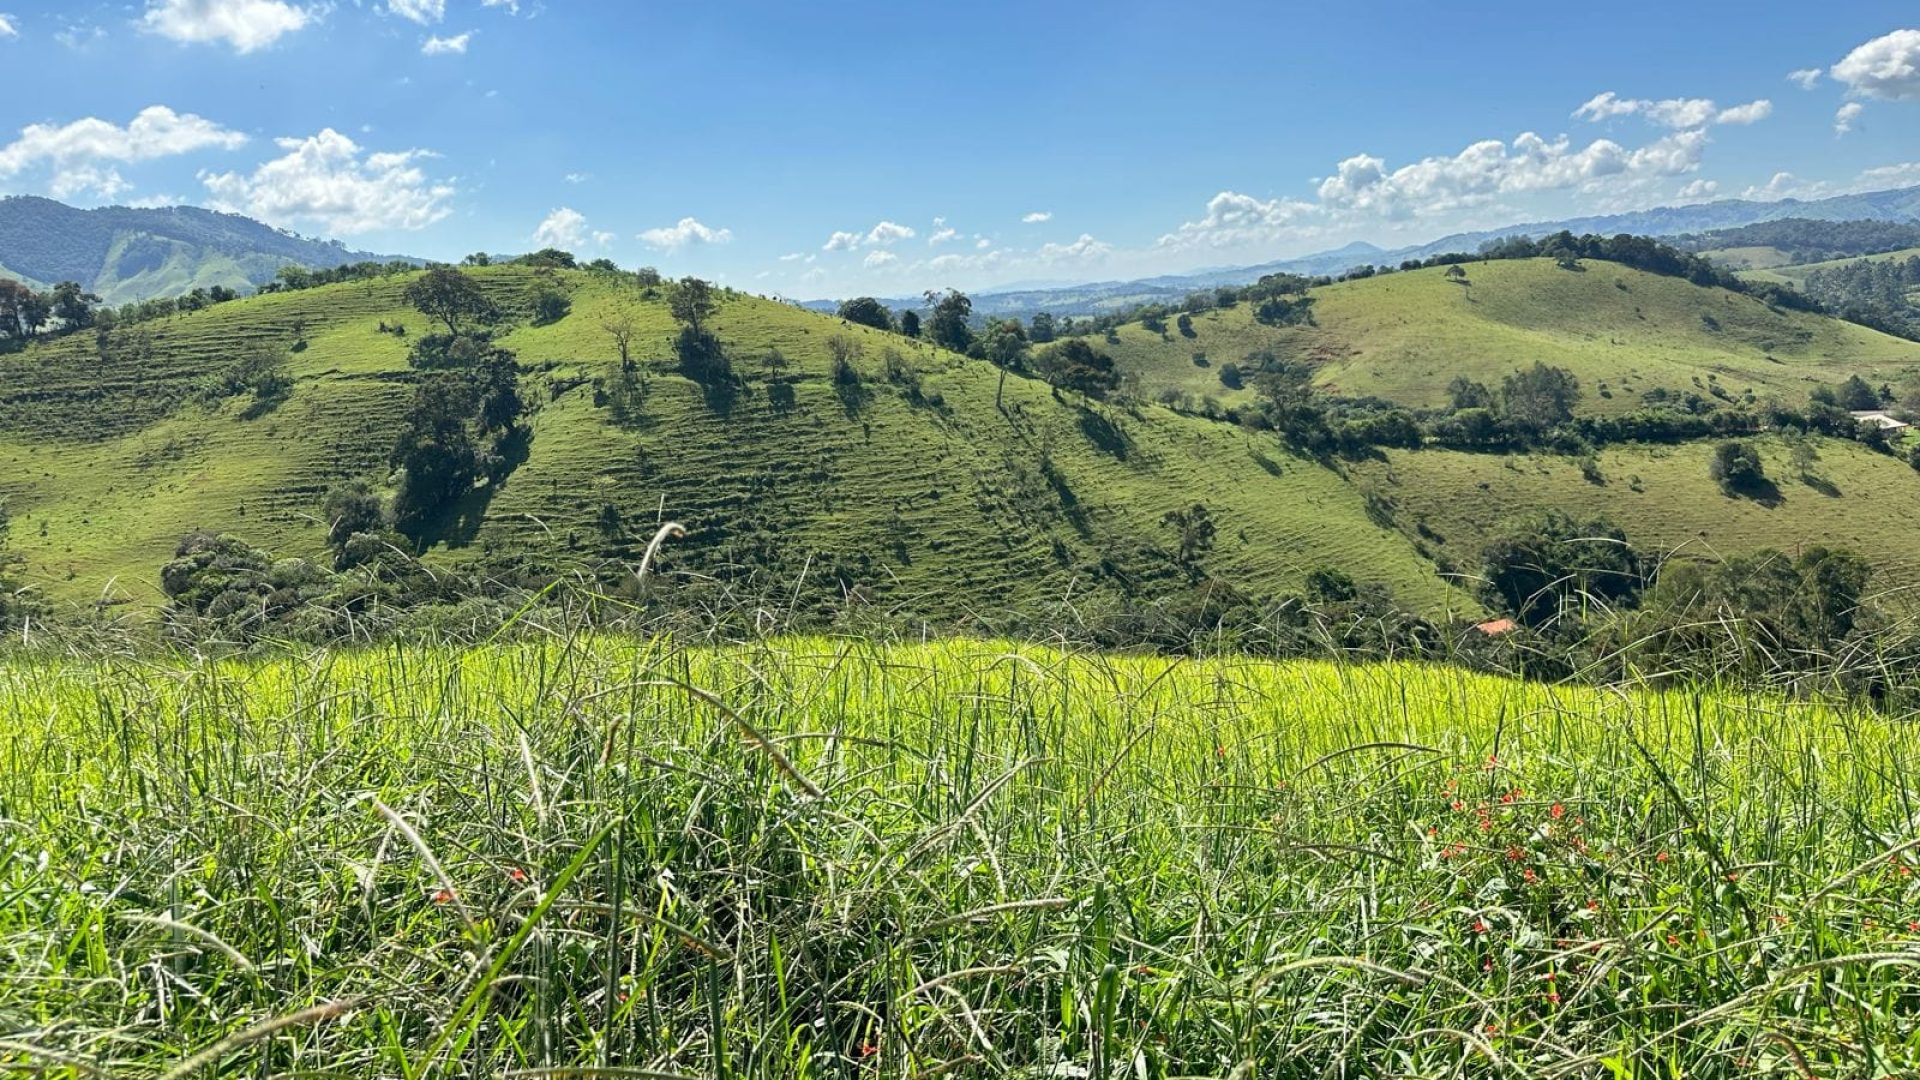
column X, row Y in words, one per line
column 1736, row 467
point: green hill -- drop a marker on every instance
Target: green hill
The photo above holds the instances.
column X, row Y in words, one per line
column 931, row 500
column 1797, row 274
column 1664, row 499
column 1404, row 336
column 124, row 254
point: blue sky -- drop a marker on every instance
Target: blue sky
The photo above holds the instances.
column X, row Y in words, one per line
column 831, row 149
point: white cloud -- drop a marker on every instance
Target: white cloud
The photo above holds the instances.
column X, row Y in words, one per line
column 1037, row 217
column 424, row 12
column 841, row 241
column 577, row 177
column 1888, row 177
column 1672, row 112
column 981, row 243
column 564, row 228
column 887, row 232
column 1785, row 185
column 1233, row 219
column 877, row 259
column 603, row 239
column 323, row 179
column 244, row 24
column 1847, row 114
column 1698, row 190
column 512, row 6
column 1490, row 169
column 441, row 46
column 1085, row 249
column 7, row 29
column 942, row 232
column 1886, row 67
column 78, row 152
column 1751, row 113
column 684, row 232
column 1808, row 78
column 104, row 183
column 792, row 256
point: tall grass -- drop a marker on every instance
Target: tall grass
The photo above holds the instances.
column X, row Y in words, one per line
column 604, row 856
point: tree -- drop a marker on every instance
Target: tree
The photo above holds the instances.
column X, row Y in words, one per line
column 1736, row 467
column 1551, row 562
column 352, row 508
column 445, row 294
column 22, row 311
column 1857, row 395
column 947, row 326
column 910, row 323
column 1195, row 529
column 691, row 302
column 866, row 311
column 73, row 306
column 1184, row 324
column 1076, row 365
column 1006, row 344
column 550, row 303
column 620, row 326
column 1540, row 396
column 1042, row 329
column 1464, row 393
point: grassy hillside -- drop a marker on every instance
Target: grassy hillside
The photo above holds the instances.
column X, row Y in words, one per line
column 1797, row 274
column 1665, row 501
column 940, row 506
column 1403, row 336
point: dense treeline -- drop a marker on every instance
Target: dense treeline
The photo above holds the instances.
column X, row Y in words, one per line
column 1804, row 240
column 1880, row 293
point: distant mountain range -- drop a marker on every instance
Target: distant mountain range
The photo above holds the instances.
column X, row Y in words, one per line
column 125, row 254
column 1109, row 296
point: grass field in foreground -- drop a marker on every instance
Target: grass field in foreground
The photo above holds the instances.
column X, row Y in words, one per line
column 822, row 858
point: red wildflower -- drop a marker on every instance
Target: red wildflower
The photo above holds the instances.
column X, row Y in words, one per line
column 867, row 1050
column 1529, row 876
column 1553, row 997
column 1557, row 811
column 1914, row 926
column 1480, row 926
column 517, row 875
column 1733, row 875
column 1493, row 761
column 1514, row 854
column 1662, row 857
column 1673, row 940
column 443, row 896
column 1593, row 905
column 1459, row 807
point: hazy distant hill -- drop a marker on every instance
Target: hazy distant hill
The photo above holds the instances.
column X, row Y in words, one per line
column 126, row 254
column 1110, row 296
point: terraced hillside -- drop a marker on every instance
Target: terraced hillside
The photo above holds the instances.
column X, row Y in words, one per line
column 1662, row 496
column 914, row 489
column 1404, row 336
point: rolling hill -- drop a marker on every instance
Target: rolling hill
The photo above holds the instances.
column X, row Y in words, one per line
column 916, row 492
column 911, row 491
column 1404, row 336
column 123, row 254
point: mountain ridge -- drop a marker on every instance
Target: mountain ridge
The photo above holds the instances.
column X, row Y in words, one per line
column 1106, row 297
column 126, row 254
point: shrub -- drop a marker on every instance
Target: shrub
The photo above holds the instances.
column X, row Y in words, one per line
column 1736, row 467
